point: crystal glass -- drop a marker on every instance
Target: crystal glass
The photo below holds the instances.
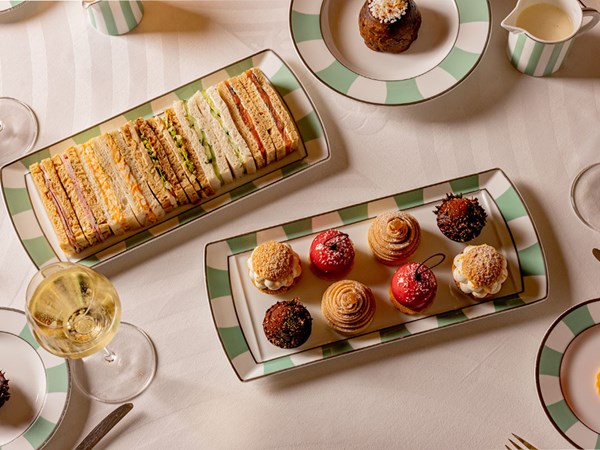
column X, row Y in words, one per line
column 585, row 196
column 74, row 312
column 18, row 129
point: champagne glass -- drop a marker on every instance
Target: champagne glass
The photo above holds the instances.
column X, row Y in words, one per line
column 585, row 196
column 74, row 312
column 18, row 128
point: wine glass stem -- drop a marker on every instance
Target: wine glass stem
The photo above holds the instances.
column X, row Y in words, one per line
column 109, row 355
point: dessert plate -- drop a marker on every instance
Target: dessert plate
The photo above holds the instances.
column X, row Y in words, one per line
column 452, row 39
column 35, row 230
column 238, row 308
column 39, row 386
column 568, row 374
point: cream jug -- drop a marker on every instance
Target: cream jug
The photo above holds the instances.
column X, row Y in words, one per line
column 541, row 32
column 114, row 17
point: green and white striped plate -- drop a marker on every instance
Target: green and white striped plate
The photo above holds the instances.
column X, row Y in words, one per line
column 567, row 365
column 43, row 380
column 9, row 5
column 452, row 39
column 31, row 222
column 238, row 307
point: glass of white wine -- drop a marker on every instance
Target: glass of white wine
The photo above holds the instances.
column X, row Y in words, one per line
column 74, row 312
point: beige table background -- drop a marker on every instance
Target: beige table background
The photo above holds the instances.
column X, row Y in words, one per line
column 464, row 387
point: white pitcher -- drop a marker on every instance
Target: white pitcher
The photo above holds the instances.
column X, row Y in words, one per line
column 541, row 32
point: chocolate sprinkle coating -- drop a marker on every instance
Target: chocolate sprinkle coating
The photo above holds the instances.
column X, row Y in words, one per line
column 4, row 392
column 287, row 324
column 460, row 219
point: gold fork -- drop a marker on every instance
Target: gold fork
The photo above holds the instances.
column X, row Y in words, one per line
column 516, row 446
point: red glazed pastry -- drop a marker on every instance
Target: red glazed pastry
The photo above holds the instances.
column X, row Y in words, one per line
column 331, row 254
column 413, row 288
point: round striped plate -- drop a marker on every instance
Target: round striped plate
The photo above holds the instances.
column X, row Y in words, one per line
column 452, row 39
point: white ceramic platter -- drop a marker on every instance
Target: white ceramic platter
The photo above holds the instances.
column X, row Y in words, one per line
column 452, row 39
column 35, row 230
column 39, row 386
column 567, row 371
column 238, row 308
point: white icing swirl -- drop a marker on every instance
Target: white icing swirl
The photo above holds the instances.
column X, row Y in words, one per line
column 467, row 286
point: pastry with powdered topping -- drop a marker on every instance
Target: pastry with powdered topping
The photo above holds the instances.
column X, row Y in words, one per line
column 413, row 288
column 274, row 267
column 287, row 324
column 459, row 218
column 331, row 254
column 479, row 271
column 348, row 307
column 393, row 237
column 389, row 25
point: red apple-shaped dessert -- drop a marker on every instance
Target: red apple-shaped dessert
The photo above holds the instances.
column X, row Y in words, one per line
column 413, row 288
column 331, row 254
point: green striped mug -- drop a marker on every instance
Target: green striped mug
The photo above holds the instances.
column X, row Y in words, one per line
column 114, row 17
column 541, row 33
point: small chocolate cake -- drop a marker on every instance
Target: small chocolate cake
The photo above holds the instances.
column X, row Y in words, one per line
column 389, row 25
column 4, row 393
column 287, row 324
column 460, row 219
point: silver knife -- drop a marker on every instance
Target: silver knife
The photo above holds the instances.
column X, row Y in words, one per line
column 104, row 427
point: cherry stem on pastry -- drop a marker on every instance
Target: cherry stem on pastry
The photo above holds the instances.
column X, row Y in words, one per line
column 332, row 246
column 418, row 274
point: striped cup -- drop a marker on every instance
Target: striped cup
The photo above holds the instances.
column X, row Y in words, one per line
column 114, row 17
column 539, row 57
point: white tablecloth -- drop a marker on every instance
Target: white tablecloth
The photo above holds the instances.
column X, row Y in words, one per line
column 469, row 386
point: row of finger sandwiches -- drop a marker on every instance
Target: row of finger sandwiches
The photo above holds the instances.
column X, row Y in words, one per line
column 133, row 176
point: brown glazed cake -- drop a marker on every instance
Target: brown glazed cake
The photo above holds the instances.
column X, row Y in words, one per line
column 389, row 25
column 287, row 324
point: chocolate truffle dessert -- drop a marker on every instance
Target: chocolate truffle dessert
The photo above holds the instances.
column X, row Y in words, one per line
column 389, row 25
column 287, row 324
column 4, row 394
column 460, row 219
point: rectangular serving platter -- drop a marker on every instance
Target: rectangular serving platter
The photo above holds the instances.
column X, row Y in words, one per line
column 238, row 308
column 34, row 229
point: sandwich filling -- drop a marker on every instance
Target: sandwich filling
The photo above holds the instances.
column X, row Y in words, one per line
column 81, row 197
column 246, row 118
column 62, row 214
column 278, row 122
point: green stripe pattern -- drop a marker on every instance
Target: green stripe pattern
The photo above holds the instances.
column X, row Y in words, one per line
column 577, row 320
column 495, row 182
column 115, row 17
column 536, row 58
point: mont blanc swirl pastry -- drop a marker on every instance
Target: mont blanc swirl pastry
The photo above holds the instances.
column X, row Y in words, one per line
column 348, row 307
column 394, row 236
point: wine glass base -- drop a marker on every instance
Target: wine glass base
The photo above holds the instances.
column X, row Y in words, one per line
column 18, row 128
column 122, row 371
column 585, row 196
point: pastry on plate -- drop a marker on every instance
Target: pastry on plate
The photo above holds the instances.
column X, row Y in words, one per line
column 479, row 271
column 393, row 237
column 348, row 307
column 331, row 254
column 413, row 288
column 287, row 324
column 389, row 25
column 459, row 218
column 274, row 267
column 4, row 391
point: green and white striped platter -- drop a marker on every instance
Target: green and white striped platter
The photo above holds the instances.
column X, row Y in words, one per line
column 33, row 227
column 452, row 39
column 552, row 365
column 8, row 5
column 58, row 387
column 238, row 308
